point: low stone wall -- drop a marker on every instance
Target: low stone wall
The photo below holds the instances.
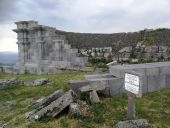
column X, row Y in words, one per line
column 156, row 76
column 43, row 70
column 113, row 86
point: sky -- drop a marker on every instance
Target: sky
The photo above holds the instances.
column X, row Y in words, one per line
column 94, row 16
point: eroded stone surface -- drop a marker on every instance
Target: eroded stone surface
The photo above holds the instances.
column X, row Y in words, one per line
column 94, row 97
column 37, row 82
column 140, row 123
column 94, row 86
column 42, row 50
column 3, row 125
column 48, row 99
column 6, row 83
column 53, row 109
column 74, row 108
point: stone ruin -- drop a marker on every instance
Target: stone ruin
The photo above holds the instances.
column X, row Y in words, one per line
column 152, row 53
column 41, row 50
column 156, row 76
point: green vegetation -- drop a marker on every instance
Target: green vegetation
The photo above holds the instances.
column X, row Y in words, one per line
column 153, row 106
column 99, row 62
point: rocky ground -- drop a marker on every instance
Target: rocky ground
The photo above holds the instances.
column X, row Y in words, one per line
column 56, row 105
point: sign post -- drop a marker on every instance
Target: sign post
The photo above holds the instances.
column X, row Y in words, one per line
column 133, row 84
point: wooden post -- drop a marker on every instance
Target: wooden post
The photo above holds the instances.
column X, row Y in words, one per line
column 131, row 106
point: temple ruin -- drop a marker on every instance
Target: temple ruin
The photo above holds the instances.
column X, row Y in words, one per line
column 41, row 50
column 44, row 49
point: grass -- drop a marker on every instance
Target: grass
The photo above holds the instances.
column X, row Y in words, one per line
column 155, row 107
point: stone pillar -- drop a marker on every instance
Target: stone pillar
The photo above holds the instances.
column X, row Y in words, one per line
column 21, row 53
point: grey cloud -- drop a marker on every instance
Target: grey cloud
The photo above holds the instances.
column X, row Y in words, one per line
column 89, row 16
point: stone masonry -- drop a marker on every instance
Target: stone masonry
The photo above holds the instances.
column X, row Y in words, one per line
column 42, row 50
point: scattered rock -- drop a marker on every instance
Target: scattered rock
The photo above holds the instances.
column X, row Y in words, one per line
column 6, row 83
column 37, row 82
column 94, row 97
column 53, row 109
column 84, row 108
column 41, row 81
column 3, row 125
column 74, row 108
column 48, row 99
column 140, row 123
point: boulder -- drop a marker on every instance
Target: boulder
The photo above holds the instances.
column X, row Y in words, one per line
column 140, row 123
column 48, row 99
column 57, row 106
column 94, row 97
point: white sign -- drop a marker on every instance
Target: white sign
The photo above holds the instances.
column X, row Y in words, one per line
column 132, row 83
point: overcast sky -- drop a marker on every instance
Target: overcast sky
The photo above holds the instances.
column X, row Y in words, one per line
column 101, row 16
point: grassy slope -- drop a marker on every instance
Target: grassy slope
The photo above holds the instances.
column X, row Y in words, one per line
column 153, row 106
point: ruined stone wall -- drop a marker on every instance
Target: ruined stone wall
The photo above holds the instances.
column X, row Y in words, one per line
column 41, row 50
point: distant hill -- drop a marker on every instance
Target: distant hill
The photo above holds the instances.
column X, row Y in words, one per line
column 88, row 40
column 8, row 58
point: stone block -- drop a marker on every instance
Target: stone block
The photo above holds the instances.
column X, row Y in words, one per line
column 53, row 109
column 115, row 87
column 168, row 81
column 94, row 97
column 75, row 85
column 97, row 86
column 50, row 98
column 153, row 83
column 152, row 71
column 162, row 81
column 140, row 123
column 74, row 109
column 164, row 70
